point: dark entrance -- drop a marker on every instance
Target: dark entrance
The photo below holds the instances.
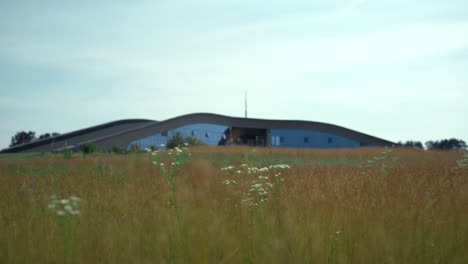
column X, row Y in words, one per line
column 249, row 136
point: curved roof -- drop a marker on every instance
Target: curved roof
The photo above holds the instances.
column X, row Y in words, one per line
column 125, row 131
column 79, row 136
column 151, row 129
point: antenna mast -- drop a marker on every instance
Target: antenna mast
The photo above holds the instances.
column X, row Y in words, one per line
column 245, row 104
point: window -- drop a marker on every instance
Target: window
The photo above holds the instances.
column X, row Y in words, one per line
column 164, row 133
column 276, row 140
column 330, row 140
column 281, row 139
column 306, row 140
column 207, row 135
column 193, row 133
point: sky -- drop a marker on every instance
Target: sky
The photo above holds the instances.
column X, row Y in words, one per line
column 390, row 68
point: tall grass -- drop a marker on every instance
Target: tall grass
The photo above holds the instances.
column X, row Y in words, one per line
column 326, row 212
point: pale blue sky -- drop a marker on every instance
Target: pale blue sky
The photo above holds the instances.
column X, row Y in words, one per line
column 390, row 68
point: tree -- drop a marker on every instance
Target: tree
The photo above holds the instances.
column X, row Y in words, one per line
column 410, row 144
column 447, row 144
column 22, row 137
column 48, row 135
column 413, row 144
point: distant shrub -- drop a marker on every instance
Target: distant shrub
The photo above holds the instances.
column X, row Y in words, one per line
column 153, row 148
column 179, row 141
column 67, row 153
column 176, row 141
column 88, row 148
column 117, row 149
column 134, row 148
column 193, row 141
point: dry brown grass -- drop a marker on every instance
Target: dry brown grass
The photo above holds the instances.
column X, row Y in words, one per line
column 416, row 214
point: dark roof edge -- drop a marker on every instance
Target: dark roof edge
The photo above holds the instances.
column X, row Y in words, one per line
column 72, row 134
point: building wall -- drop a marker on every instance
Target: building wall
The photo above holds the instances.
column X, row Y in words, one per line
column 209, row 134
column 309, row 139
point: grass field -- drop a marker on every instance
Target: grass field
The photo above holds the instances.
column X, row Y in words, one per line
column 330, row 206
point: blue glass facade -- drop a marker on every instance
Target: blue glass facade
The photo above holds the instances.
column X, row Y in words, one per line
column 209, row 134
column 309, row 139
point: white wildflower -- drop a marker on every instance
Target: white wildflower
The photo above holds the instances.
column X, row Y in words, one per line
column 257, row 186
column 64, row 206
column 280, row 166
column 76, row 212
column 228, row 168
column 68, row 207
column 74, row 198
column 248, row 200
column 262, row 192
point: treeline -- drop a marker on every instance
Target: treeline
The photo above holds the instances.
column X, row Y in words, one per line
column 444, row 144
column 23, row 137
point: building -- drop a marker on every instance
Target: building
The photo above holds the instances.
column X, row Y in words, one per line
column 212, row 129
